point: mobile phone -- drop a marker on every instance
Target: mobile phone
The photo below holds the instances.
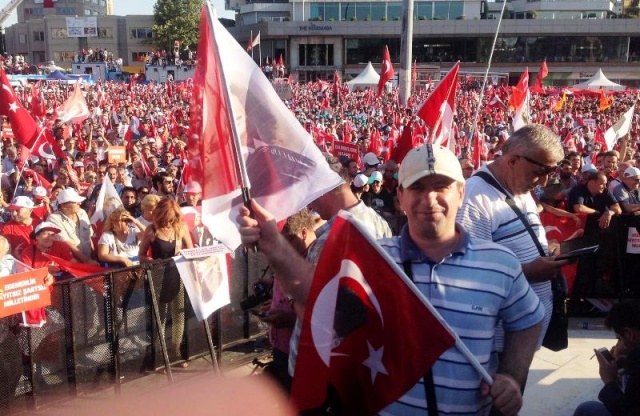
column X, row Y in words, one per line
column 606, row 354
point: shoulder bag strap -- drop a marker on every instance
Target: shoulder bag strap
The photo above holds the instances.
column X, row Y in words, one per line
column 512, row 204
column 429, row 386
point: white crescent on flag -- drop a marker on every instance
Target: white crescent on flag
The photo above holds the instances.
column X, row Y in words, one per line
column 325, row 307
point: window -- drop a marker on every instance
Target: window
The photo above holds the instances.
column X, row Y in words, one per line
column 105, row 33
column 87, row 12
column 67, row 11
column 142, row 33
column 59, row 33
column 39, row 57
column 38, row 36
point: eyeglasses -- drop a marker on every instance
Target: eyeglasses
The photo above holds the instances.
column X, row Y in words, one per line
column 547, row 170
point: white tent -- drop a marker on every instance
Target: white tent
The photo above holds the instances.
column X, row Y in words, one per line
column 598, row 81
column 367, row 78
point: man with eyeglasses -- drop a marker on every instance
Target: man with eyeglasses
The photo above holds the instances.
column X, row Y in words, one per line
column 163, row 185
column 529, row 156
column 626, row 194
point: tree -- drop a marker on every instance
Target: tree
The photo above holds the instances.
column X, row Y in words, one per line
column 176, row 20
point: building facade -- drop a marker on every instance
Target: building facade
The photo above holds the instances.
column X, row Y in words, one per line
column 47, row 39
column 34, row 9
column 575, row 37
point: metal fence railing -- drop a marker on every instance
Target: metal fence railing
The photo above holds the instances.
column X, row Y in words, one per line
column 103, row 330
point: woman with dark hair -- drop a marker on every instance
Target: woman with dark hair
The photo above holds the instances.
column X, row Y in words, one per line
column 165, row 237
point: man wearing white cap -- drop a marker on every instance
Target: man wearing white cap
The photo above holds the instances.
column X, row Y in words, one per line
column 192, row 195
column 456, row 272
column 74, row 224
column 41, row 208
column 626, row 194
column 21, row 225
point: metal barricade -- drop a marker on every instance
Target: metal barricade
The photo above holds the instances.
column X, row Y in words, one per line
column 103, row 330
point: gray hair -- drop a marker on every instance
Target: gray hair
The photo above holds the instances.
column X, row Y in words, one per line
column 534, row 137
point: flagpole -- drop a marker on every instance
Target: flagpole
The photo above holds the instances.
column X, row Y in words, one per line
column 251, row 42
column 21, row 171
column 474, row 125
column 260, row 50
column 244, row 175
column 464, row 350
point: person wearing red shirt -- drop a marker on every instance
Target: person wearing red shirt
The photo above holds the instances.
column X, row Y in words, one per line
column 45, row 243
column 21, row 225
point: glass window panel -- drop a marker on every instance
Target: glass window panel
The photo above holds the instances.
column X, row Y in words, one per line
column 423, row 10
column 332, row 11
column 394, row 11
column 441, row 10
column 456, row 9
column 378, row 11
column 363, row 11
column 348, row 10
column 316, row 10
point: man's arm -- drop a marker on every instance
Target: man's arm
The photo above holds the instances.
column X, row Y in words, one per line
column 294, row 272
column 519, row 347
column 581, row 208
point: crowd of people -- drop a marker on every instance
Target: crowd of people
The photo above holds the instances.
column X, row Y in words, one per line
column 556, row 167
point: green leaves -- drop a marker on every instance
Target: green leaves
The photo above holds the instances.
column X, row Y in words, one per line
column 176, row 20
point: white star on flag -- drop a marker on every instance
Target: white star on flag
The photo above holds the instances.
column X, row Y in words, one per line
column 374, row 362
column 13, row 107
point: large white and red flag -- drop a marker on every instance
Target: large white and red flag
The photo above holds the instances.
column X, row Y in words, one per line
column 620, row 128
column 107, row 202
column 520, row 101
column 25, row 128
column 285, row 169
column 386, row 72
column 75, row 109
column 438, row 109
column 357, row 338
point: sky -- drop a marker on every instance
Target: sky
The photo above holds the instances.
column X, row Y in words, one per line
column 125, row 7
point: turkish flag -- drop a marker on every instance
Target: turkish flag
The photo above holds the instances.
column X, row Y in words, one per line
column 375, row 144
column 405, row 144
column 23, row 125
column 75, row 109
column 81, row 270
column 46, row 147
column 542, row 74
column 387, row 72
column 520, row 101
column 438, row 109
column 37, row 101
column 284, row 168
column 358, row 338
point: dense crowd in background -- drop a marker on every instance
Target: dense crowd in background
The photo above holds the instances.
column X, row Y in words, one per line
column 156, row 119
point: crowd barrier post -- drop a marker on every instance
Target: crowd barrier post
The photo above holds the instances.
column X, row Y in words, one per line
column 214, row 360
column 113, row 331
column 159, row 325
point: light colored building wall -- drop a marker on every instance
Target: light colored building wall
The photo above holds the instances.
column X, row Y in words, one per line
column 114, row 34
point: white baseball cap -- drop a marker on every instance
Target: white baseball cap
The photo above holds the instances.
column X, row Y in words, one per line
column 193, row 188
column 375, row 177
column 370, row 159
column 21, row 202
column 69, row 195
column 360, row 180
column 46, row 225
column 631, row 172
column 429, row 160
column 39, row 192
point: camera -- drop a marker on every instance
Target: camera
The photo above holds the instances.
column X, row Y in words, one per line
column 261, row 293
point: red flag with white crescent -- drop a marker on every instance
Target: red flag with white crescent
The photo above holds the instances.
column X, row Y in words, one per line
column 355, row 337
column 23, row 125
column 386, row 72
column 74, row 109
column 438, row 109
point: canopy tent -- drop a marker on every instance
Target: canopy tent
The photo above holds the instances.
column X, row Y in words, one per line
column 59, row 76
column 598, row 81
column 367, row 78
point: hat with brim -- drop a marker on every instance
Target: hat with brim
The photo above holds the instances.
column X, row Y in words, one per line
column 46, row 226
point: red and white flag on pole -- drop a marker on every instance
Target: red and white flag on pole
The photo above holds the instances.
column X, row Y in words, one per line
column 542, row 74
column 25, row 129
column 108, row 200
column 75, row 109
column 45, row 147
column 386, row 72
column 357, row 338
column 285, row 168
column 520, row 101
column 438, row 109
column 620, row 129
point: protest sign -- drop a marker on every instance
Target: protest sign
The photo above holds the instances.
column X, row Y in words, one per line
column 24, row 291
